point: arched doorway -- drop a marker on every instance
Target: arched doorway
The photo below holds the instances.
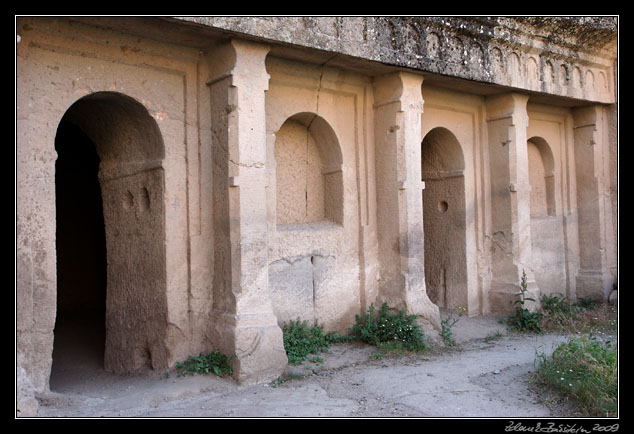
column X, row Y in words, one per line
column 444, row 219
column 110, row 237
column 81, row 258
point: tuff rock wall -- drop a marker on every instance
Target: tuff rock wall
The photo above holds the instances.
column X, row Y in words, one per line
column 254, row 170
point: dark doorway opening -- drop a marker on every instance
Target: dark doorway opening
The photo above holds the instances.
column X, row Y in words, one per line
column 81, row 259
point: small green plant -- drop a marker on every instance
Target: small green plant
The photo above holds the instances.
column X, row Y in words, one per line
column 214, row 362
column 581, row 316
column 376, row 356
column 556, row 304
column 561, row 313
column 491, row 337
column 585, row 303
column 316, row 359
column 302, row 339
column 390, row 331
column 585, row 369
column 447, row 325
column 561, row 305
column 523, row 319
column 288, row 377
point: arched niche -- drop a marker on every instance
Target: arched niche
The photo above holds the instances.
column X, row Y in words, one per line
column 444, row 218
column 309, row 212
column 548, row 238
column 309, row 175
column 124, row 167
column 541, row 175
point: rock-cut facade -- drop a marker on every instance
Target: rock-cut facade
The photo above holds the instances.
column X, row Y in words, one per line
column 189, row 184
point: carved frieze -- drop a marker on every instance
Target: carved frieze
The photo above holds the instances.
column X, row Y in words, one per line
column 564, row 56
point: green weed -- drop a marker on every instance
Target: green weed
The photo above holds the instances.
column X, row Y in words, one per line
column 585, row 369
column 302, row 339
column 558, row 304
column 214, row 362
column 523, row 319
column 288, row 377
column 446, row 327
column 562, row 314
column 376, row 356
column 491, row 337
column 388, row 330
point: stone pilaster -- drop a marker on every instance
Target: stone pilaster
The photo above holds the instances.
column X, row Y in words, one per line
column 510, row 230
column 398, row 108
column 243, row 322
column 594, row 279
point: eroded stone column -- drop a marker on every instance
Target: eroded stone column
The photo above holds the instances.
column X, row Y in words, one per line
column 594, row 279
column 243, row 322
column 507, row 121
column 398, row 108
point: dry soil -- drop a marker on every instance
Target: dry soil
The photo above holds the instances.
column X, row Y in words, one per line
column 488, row 375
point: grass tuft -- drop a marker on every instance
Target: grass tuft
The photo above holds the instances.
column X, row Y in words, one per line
column 214, row 362
column 388, row 330
column 585, row 369
column 302, row 339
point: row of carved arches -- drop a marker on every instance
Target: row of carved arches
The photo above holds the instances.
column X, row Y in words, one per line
column 515, row 64
column 446, row 205
column 110, row 226
column 305, row 194
column 563, row 74
column 111, row 223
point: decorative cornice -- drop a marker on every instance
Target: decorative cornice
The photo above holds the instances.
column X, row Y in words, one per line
column 563, row 56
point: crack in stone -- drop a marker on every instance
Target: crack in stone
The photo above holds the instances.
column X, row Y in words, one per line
column 256, row 165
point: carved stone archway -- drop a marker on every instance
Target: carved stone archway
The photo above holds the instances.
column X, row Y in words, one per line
column 127, row 172
column 444, row 219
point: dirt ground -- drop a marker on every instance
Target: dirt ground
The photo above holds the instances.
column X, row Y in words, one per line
column 488, row 375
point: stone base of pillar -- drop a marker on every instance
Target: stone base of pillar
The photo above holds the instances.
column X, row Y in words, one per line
column 255, row 343
column 420, row 304
column 414, row 300
column 428, row 314
column 503, row 295
column 594, row 284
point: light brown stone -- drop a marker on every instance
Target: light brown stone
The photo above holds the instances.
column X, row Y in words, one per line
column 257, row 170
